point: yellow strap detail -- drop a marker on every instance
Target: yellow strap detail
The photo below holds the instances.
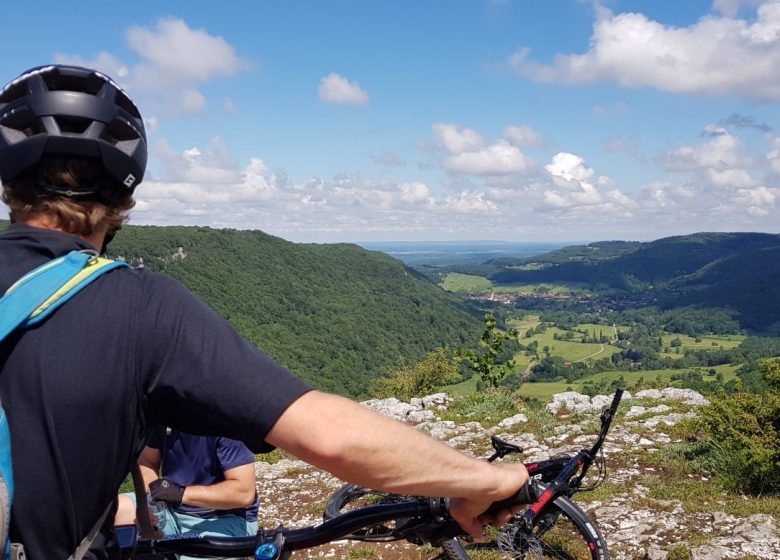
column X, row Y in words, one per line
column 44, row 268
column 92, row 266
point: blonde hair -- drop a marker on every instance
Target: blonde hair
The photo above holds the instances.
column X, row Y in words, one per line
column 80, row 211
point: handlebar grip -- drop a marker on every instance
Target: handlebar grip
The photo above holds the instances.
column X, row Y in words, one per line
column 526, row 495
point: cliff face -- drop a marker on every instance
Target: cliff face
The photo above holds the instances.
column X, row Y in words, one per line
column 645, row 508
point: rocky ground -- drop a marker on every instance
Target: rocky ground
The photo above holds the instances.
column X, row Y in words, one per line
column 635, row 525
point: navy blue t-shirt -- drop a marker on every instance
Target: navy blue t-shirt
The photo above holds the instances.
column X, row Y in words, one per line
column 133, row 349
column 201, row 461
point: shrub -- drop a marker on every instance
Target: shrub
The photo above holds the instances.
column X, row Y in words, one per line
column 741, row 442
column 422, row 379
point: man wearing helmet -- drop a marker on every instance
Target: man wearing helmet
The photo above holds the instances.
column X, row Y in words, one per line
column 136, row 349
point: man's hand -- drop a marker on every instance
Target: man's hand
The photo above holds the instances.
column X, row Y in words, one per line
column 167, row 491
column 469, row 513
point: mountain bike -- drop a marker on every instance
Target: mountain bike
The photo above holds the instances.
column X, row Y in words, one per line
column 553, row 526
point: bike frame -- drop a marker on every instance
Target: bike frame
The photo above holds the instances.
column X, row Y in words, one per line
column 430, row 521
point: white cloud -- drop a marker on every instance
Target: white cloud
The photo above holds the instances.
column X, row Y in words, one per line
column 458, row 140
column 174, row 60
column 522, row 136
column 719, row 162
column 575, row 185
column 759, row 198
column 470, row 203
column 500, row 158
column 730, row 8
column 215, row 165
column 718, row 55
column 471, row 155
column 173, row 53
column 415, row 192
column 569, row 170
column 710, row 185
column 334, row 88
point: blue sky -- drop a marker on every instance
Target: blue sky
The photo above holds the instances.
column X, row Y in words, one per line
column 519, row 120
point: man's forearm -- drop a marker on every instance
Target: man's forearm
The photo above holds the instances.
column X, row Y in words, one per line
column 148, row 474
column 228, row 494
column 360, row 446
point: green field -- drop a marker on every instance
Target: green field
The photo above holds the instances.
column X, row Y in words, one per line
column 573, row 351
column 710, row 342
column 570, row 351
column 522, row 325
column 531, row 289
column 466, row 283
column 545, row 391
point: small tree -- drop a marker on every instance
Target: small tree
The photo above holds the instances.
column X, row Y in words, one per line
column 485, row 363
column 423, row 378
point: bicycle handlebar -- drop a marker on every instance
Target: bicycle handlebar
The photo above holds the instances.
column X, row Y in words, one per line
column 434, row 510
column 528, row 494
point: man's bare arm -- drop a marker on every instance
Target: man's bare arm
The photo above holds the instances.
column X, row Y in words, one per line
column 236, row 491
column 360, row 446
column 149, row 463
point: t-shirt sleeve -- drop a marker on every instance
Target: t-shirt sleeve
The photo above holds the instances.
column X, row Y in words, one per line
column 201, row 376
column 233, row 453
column 155, row 437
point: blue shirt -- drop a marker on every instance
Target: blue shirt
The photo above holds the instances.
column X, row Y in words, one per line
column 201, row 461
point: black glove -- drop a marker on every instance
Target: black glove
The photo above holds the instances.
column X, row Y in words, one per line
column 167, row 491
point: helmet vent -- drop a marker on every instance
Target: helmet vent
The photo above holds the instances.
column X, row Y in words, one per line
column 14, row 92
column 81, row 82
column 72, row 125
column 18, row 118
column 13, row 135
column 124, row 102
column 119, row 130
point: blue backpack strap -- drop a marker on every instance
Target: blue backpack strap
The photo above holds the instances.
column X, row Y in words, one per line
column 28, row 302
column 39, row 292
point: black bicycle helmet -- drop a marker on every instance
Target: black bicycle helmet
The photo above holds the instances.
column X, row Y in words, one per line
column 68, row 111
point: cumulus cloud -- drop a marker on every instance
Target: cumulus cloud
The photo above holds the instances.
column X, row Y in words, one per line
column 575, row 185
column 334, row 88
column 500, row 158
column 168, row 70
column 173, row 53
column 720, row 161
column 470, row 203
column 732, row 7
column 471, row 155
column 522, row 136
column 415, row 192
column 457, row 140
column 717, row 55
column 710, row 184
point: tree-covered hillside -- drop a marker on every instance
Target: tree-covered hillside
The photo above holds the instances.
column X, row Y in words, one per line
column 338, row 315
column 736, row 271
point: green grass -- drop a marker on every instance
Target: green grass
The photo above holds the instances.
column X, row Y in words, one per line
column 700, row 496
column 707, row 342
column 570, row 351
column 522, row 325
column 545, row 390
column 468, row 283
column 530, row 289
